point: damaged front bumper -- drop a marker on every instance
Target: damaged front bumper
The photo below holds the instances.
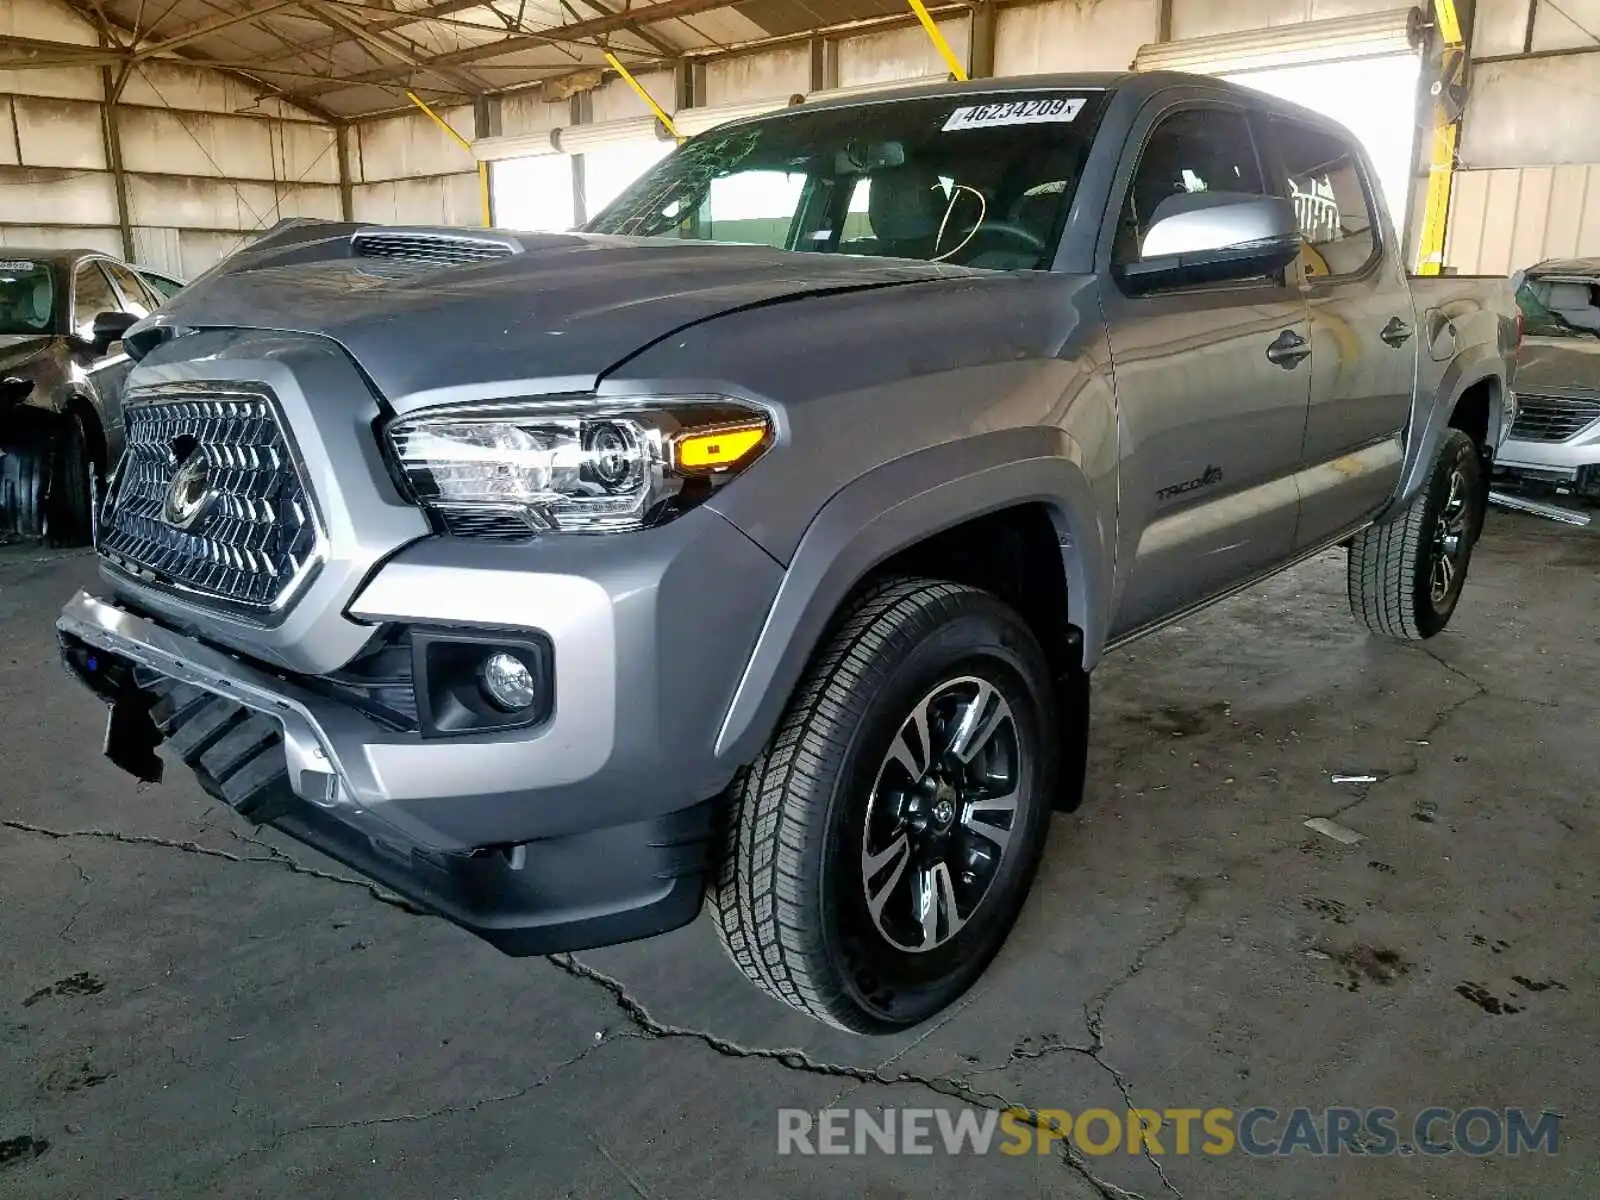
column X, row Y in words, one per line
column 285, row 755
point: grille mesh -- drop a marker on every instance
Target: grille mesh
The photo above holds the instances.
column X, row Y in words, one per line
column 427, row 248
column 254, row 537
column 1547, row 419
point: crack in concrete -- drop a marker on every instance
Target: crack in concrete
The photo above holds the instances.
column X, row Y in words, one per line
column 1441, row 718
column 956, row 1087
column 449, row 1110
column 274, row 857
column 1094, row 1012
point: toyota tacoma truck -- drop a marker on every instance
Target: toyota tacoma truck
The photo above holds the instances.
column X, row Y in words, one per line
column 753, row 546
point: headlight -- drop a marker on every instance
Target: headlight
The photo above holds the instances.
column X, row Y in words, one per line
column 590, row 467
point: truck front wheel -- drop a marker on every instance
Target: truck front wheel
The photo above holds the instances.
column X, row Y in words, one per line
column 1405, row 576
column 882, row 845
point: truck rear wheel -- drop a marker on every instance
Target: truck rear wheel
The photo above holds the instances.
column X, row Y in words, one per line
column 1405, row 577
column 881, row 847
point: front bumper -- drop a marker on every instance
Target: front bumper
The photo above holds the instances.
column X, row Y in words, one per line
column 592, row 827
column 256, row 744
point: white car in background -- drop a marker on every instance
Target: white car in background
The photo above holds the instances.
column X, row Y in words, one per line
column 1555, row 441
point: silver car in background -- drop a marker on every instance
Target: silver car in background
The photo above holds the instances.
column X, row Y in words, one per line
column 1555, row 441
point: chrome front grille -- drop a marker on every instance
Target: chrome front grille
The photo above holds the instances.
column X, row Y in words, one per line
column 209, row 500
column 1553, row 419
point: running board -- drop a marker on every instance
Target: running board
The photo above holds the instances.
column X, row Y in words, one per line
column 1551, row 512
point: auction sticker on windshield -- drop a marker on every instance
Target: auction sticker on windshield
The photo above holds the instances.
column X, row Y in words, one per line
column 1045, row 111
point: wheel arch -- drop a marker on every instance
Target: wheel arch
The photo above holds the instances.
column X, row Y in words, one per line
column 884, row 517
column 1473, row 390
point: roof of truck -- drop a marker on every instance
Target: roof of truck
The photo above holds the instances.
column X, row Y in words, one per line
column 1140, row 83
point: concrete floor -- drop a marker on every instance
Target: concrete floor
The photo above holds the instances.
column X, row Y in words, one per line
column 189, row 1007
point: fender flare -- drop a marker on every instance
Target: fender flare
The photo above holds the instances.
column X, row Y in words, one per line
column 894, row 507
column 1470, row 369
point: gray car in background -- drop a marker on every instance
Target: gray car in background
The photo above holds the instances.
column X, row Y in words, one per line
column 1555, row 441
column 560, row 582
column 62, row 316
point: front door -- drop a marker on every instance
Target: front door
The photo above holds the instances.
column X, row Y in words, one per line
column 1212, row 384
column 1363, row 336
column 106, row 370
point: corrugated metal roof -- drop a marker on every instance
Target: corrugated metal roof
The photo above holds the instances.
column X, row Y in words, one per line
column 339, row 59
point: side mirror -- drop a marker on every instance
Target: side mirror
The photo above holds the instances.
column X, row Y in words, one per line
column 1214, row 237
column 109, row 327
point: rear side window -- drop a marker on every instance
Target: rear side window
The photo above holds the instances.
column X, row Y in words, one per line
column 1323, row 176
column 92, row 295
column 135, row 295
column 1196, row 150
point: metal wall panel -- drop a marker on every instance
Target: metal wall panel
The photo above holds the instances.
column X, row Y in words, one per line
column 747, row 77
column 9, row 155
column 1203, row 18
column 161, row 84
column 1502, row 221
column 442, row 200
column 1568, row 25
column 59, row 133
column 45, row 22
column 203, row 144
column 63, row 83
column 1069, row 37
column 188, row 203
column 1499, row 27
column 904, row 53
column 41, row 195
column 51, row 238
column 526, row 113
column 614, row 99
column 412, row 146
column 305, row 153
column 1531, row 112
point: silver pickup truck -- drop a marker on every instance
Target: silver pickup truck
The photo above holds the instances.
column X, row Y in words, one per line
column 560, row 582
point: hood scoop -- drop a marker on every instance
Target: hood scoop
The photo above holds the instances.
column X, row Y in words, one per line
column 432, row 247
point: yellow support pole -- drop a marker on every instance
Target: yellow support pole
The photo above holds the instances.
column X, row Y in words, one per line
column 483, row 168
column 1446, row 133
column 937, row 38
column 615, row 64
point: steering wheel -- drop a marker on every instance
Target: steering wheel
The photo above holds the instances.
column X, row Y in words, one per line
column 1012, row 230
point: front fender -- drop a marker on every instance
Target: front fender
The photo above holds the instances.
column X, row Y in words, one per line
column 898, row 505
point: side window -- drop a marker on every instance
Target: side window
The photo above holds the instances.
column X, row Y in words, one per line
column 1197, row 150
column 1323, row 178
column 135, row 295
column 92, row 295
column 751, row 207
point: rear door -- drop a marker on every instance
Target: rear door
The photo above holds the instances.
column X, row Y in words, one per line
column 1363, row 336
column 1210, row 427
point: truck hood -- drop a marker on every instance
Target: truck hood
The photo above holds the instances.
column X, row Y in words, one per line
column 1562, row 366
column 566, row 307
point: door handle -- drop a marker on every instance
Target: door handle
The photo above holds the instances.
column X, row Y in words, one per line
column 1397, row 333
column 1288, row 350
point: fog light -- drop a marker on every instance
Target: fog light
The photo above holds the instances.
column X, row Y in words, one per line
column 507, row 682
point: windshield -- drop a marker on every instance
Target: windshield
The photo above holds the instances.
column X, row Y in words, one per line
column 27, row 296
column 980, row 181
column 1560, row 308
